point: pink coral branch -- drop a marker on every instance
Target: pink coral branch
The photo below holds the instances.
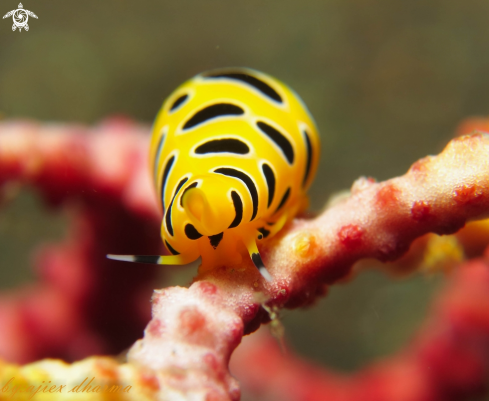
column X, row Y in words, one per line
column 447, row 360
column 193, row 331
column 438, row 194
column 83, row 303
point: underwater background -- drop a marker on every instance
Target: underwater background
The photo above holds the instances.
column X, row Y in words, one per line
column 387, row 81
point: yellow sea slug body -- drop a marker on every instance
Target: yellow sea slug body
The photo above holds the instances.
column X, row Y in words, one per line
column 233, row 152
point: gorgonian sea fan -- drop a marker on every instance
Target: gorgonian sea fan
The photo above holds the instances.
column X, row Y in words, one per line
column 187, row 344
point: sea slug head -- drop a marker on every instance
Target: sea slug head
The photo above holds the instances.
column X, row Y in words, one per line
column 210, row 205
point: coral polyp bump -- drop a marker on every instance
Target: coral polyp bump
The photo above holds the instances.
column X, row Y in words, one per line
column 233, row 152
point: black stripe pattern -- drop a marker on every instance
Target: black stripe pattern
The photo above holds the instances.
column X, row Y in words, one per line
column 171, row 249
column 215, row 240
column 264, row 232
column 309, row 158
column 168, row 220
column 151, row 259
column 158, row 153
column 279, row 139
column 191, row 232
column 231, row 172
column 270, row 178
column 193, row 185
column 168, row 167
column 238, row 209
column 284, row 200
column 257, row 261
column 252, row 81
column 225, row 145
column 178, row 102
column 213, row 111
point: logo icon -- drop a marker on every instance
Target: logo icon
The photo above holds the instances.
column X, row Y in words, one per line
column 20, row 17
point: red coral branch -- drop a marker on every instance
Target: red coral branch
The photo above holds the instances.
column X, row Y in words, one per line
column 376, row 221
column 193, row 332
column 83, row 303
column 447, row 360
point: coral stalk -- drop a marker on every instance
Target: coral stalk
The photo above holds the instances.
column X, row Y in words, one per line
column 193, row 332
column 82, row 303
column 447, row 359
column 438, row 194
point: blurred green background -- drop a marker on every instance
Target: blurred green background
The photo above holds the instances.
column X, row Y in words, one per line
column 386, row 80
